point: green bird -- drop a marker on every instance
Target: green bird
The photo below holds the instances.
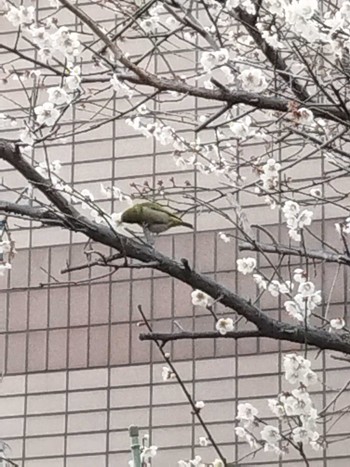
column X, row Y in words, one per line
column 152, row 217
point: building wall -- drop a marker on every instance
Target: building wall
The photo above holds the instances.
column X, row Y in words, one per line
column 75, row 374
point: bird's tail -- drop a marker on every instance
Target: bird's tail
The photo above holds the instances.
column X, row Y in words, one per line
column 187, row 224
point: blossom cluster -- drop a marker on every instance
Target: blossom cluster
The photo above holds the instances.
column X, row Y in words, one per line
column 306, row 300
column 5, row 249
column 295, row 408
column 269, row 175
column 164, row 134
column 296, row 218
column 253, row 80
column 214, row 59
column 156, row 20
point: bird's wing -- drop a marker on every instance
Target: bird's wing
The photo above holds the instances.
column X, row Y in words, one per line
column 154, row 216
column 161, row 209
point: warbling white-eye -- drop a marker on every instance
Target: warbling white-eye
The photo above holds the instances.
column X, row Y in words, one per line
column 152, row 217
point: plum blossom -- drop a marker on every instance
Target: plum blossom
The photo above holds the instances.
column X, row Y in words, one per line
column 200, row 298
column 298, row 369
column 344, row 227
column 26, row 136
column 214, row 58
column 21, row 16
column 241, row 128
column 46, row 170
column 7, row 121
column 167, row 374
column 246, row 413
column 67, row 43
column 72, row 82
column 337, row 323
column 225, row 238
column 260, row 281
column 199, row 405
column 299, row 275
column 269, row 175
column 58, row 96
column 296, row 219
column 4, row 267
column 246, row 265
column 47, row 114
column 276, row 287
column 253, row 80
column 203, row 441
column 316, row 192
column 121, row 88
column 149, row 25
column 270, row 434
column 224, row 325
column 148, row 453
column 305, row 116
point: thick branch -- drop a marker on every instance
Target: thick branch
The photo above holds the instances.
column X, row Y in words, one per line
column 183, row 335
column 140, row 76
column 267, row 326
column 44, row 215
column 280, row 331
column 322, row 255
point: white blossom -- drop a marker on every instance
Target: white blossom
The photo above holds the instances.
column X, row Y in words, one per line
column 167, row 374
column 260, row 281
column 72, row 82
column 270, row 434
column 298, row 369
column 200, row 298
column 246, row 265
column 224, row 325
column 306, row 288
column 253, row 79
column 316, row 192
column 149, row 25
column 148, row 453
column 299, row 275
column 6, row 121
column 203, row 441
column 67, row 42
column 21, row 16
column 4, row 267
column 305, row 116
column 199, row 405
column 269, row 175
column 47, row 114
column 26, row 136
column 58, row 96
column 121, row 88
column 337, row 323
column 246, row 413
column 214, row 58
column 225, row 238
column 241, row 128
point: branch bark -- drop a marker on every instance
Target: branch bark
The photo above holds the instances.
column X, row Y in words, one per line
column 74, row 221
column 256, row 100
column 321, row 255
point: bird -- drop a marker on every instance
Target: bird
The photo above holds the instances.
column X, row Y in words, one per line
column 153, row 218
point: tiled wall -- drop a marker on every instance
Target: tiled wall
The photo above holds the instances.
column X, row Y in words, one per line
column 80, row 417
column 75, row 373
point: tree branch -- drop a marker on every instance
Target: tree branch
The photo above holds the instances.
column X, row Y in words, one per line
column 322, row 255
column 140, row 76
column 193, row 335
